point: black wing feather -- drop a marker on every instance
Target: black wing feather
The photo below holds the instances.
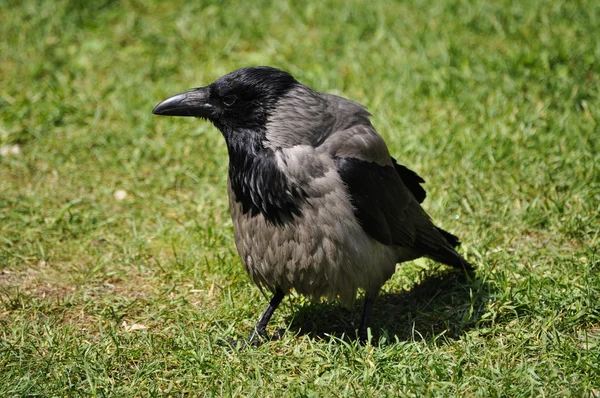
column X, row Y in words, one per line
column 412, row 181
column 380, row 200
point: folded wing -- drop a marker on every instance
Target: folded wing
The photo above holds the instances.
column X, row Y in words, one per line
column 386, row 197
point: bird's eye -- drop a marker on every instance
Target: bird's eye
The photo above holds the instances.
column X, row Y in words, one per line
column 229, row 100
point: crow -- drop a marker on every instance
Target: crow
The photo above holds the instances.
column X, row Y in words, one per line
column 317, row 202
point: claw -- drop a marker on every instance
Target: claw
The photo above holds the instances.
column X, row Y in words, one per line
column 255, row 339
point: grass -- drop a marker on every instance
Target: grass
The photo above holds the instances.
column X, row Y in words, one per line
column 118, row 272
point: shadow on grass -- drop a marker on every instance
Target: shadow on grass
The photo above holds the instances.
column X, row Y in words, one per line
column 450, row 303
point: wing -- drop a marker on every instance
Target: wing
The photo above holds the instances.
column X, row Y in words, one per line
column 386, row 196
column 412, row 181
column 381, row 202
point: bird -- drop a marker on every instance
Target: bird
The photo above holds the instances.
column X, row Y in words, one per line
column 318, row 204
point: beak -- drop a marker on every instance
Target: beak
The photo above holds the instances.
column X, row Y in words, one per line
column 195, row 103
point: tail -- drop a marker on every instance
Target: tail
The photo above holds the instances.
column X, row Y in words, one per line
column 448, row 255
column 452, row 239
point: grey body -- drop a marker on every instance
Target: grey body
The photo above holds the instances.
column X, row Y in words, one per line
column 323, row 253
column 326, row 251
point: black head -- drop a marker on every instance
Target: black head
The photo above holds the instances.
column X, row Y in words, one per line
column 241, row 99
column 239, row 104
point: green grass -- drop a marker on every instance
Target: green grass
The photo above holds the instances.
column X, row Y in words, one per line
column 495, row 104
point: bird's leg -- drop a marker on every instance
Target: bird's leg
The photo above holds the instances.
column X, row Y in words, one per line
column 366, row 317
column 259, row 332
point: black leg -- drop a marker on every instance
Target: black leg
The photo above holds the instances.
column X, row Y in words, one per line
column 259, row 333
column 366, row 317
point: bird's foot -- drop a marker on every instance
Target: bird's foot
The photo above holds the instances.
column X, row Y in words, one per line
column 255, row 339
column 259, row 336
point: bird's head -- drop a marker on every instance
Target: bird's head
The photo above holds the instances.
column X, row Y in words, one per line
column 241, row 99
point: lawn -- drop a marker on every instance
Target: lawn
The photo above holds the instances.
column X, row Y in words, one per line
column 118, row 271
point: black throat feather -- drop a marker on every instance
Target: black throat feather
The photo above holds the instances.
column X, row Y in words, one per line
column 257, row 182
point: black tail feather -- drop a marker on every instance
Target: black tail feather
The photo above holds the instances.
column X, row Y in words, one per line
column 449, row 256
column 452, row 239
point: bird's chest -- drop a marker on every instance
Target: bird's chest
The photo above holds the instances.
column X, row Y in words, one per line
column 283, row 208
column 324, row 218
column 320, row 249
column 301, row 251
